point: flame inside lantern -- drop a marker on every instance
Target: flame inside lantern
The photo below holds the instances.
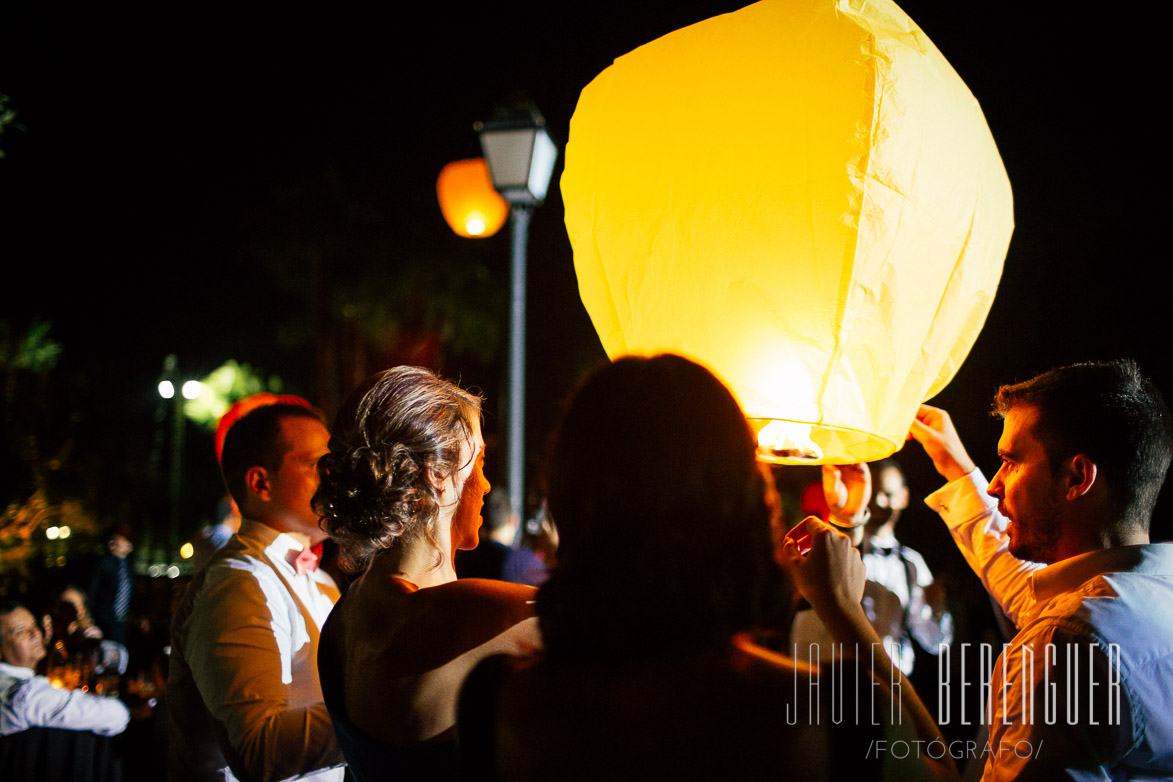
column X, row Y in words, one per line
column 784, row 442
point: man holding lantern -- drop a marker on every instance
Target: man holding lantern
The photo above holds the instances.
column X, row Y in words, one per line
column 1060, row 539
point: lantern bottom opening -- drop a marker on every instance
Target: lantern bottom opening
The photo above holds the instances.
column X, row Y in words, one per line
column 806, row 443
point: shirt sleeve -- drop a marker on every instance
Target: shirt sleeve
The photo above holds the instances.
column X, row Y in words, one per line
column 980, row 533
column 45, row 706
column 243, row 634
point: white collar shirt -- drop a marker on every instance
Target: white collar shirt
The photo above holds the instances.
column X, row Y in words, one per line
column 894, row 601
column 315, row 589
column 1094, row 648
column 243, row 689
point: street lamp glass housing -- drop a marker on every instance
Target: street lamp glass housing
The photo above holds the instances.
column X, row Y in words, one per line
column 521, row 156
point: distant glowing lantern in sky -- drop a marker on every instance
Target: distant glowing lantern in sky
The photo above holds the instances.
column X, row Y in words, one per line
column 471, row 206
column 802, row 195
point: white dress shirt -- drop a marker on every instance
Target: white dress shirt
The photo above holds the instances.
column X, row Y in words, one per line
column 243, row 690
column 1112, row 610
column 30, row 701
column 894, row 600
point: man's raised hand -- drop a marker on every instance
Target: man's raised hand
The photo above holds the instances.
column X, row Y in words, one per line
column 933, row 429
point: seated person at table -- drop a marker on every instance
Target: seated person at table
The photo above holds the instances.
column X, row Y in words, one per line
column 665, row 561
column 30, row 701
column 401, row 491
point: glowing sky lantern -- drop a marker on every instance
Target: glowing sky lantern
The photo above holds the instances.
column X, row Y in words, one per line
column 802, row 195
column 471, row 207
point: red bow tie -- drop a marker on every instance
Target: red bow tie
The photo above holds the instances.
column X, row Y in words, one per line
column 306, row 560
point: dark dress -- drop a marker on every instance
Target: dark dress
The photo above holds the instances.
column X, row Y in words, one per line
column 370, row 759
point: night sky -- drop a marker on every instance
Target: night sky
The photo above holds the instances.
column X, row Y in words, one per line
column 175, row 169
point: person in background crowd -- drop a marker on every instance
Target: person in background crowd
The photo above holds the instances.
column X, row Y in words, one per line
column 499, row 556
column 243, row 692
column 112, row 585
column 215, row 536
column 902, row 600
column 30, row 701
column 1060, row 539
column 70, row 632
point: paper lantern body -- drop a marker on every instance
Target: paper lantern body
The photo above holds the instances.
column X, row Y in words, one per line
column 802, row 195
column 471, row 207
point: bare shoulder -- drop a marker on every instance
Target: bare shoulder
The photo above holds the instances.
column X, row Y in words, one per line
column 440, row 623
column 483, row 598
column 488, row 590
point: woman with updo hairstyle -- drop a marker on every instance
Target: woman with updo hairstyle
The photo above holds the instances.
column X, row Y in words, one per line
column 667, row 567
column 401, row 491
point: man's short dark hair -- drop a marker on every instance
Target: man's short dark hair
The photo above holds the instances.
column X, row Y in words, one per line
column 110, row 534
column 1110, row 413
column 256, row 441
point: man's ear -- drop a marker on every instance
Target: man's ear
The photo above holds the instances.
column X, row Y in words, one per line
column 1081, row 476
column 257, row 480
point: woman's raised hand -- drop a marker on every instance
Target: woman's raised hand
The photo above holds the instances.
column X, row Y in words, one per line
column 831, row 576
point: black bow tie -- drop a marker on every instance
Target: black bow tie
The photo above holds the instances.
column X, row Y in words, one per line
column 884, row 551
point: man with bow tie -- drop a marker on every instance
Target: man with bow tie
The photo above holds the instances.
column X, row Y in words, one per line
column 900, row 598
column 243, row 693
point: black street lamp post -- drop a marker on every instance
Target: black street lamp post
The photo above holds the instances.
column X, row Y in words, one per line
column 521, row 159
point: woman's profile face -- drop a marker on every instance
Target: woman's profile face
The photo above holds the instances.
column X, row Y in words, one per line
column 472, row 486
